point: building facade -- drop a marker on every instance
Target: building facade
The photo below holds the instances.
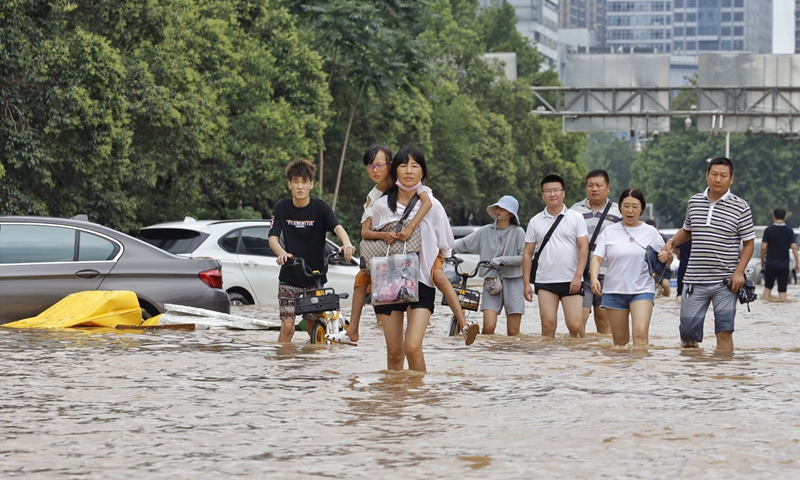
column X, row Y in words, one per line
column 797, row 26
column 722, row 26
column 537, row 20
column 584, row 14
column 641, row 25
column 690, row 27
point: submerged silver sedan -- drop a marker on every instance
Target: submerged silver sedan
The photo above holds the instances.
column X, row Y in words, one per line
column 42, row 260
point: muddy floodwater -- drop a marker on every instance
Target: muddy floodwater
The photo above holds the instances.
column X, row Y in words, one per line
column 100, row 404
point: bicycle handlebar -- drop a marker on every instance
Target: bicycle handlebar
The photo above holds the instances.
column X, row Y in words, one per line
column 313, row 273
column 457, row 266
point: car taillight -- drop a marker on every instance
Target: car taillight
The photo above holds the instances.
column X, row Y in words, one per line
column 212, row 278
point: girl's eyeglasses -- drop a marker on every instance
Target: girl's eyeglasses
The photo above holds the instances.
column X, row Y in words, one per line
column 375, row 166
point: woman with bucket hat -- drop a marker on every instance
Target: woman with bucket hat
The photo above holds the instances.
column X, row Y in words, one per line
column 501, row 243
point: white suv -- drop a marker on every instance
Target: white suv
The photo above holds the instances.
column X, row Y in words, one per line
column 249, row 267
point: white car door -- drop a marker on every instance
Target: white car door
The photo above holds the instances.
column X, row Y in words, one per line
column 259, row 264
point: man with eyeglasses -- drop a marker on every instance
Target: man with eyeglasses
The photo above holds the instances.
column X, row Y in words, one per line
column 592, row 209
column 563, row 254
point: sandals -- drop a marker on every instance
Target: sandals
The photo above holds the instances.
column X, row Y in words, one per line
column 340, row 337
column 470, row 333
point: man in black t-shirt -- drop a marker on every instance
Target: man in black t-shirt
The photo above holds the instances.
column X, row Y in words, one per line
column 304, row 223
column 775, row 244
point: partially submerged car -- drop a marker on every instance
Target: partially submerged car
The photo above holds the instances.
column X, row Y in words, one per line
column 249, row 267
column 44, row 259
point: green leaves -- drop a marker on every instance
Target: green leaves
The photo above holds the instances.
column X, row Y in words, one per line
column 139, row 111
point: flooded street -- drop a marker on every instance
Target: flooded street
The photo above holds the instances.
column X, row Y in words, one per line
column 223, row 403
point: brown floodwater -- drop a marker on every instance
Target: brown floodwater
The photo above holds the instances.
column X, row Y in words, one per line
column 223, row 403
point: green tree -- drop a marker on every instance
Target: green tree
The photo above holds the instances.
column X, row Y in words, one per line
column 366, row 45
column 673, row 168
column 610, row 153
column 64, row 134
column 136, row 112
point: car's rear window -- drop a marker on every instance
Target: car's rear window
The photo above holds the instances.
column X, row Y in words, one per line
column 173, row 240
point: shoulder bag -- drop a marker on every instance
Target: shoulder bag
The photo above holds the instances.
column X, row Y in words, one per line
column 494, row 285
column 592, row 243
column 535, row 263
column 654, row 266
column 368, row 249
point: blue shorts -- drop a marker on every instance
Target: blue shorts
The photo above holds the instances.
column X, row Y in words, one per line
column 622, row 301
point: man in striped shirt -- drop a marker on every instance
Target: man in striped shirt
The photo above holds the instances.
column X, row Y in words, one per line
column 592, row 207
column 717, row 222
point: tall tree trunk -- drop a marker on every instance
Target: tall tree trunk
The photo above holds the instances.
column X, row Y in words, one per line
column 321, row 136
column 321, row 162
column 344, row 148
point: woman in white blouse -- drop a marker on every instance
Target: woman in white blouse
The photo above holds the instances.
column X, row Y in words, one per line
column 409, row 168
column 628, row 289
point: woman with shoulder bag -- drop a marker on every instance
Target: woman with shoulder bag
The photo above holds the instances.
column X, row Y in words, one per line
column 409, row 168
column 501, row 243
column 628, row 288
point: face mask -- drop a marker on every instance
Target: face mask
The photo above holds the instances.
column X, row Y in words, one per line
column 408, row 189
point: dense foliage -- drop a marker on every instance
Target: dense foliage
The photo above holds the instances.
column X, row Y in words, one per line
column 136, row 112
column 142, row 111
column 672, row 168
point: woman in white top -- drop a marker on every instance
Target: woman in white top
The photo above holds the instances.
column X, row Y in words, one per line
column 628, row 287
column 410, row 169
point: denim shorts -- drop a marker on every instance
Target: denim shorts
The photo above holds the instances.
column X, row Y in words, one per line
column 622, row 301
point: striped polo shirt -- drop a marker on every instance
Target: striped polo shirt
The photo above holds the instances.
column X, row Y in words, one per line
column 718, row 229
column 592, row 218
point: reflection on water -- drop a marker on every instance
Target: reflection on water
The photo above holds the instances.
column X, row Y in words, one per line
column 170, row 404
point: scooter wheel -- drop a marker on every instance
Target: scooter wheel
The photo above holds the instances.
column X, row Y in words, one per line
column 318, row 333
column 453, row 326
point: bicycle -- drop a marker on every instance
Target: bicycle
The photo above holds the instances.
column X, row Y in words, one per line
column 324, row 302
column 469, row 299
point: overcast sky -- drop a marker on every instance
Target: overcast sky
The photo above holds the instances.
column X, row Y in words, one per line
column 782, row 26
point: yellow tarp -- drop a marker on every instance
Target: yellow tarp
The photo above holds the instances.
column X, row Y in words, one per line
column 88, row 309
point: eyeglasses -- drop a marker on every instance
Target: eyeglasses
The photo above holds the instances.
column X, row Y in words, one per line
column 376, row 166
column 550, row 192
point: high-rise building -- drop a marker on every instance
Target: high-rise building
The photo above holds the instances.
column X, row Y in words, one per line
column 584, row 14
column 796, row 26
column 690, row 26
column 642, row 25
column 537, row 20
column 722, row 26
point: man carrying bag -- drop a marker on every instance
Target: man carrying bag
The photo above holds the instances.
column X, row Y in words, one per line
column 598, row 212
column 561, row 260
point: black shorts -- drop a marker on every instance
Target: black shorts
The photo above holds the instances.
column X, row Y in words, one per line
column 779, row 274
column 560, row 289
column 427, row 297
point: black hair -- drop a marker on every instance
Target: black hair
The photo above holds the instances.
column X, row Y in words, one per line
column 301, row 168
column 372, row 152
column 720, row 161
column 552, row 178
column 779, row 214
column 402, row 157
column 635, row 193
column 598, row 173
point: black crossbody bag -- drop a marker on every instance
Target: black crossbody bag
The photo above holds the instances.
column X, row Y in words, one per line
column 594, row 239
column 535, row 262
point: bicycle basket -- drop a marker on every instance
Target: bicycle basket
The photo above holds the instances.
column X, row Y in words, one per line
column 315, row 301
column 469, row 299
